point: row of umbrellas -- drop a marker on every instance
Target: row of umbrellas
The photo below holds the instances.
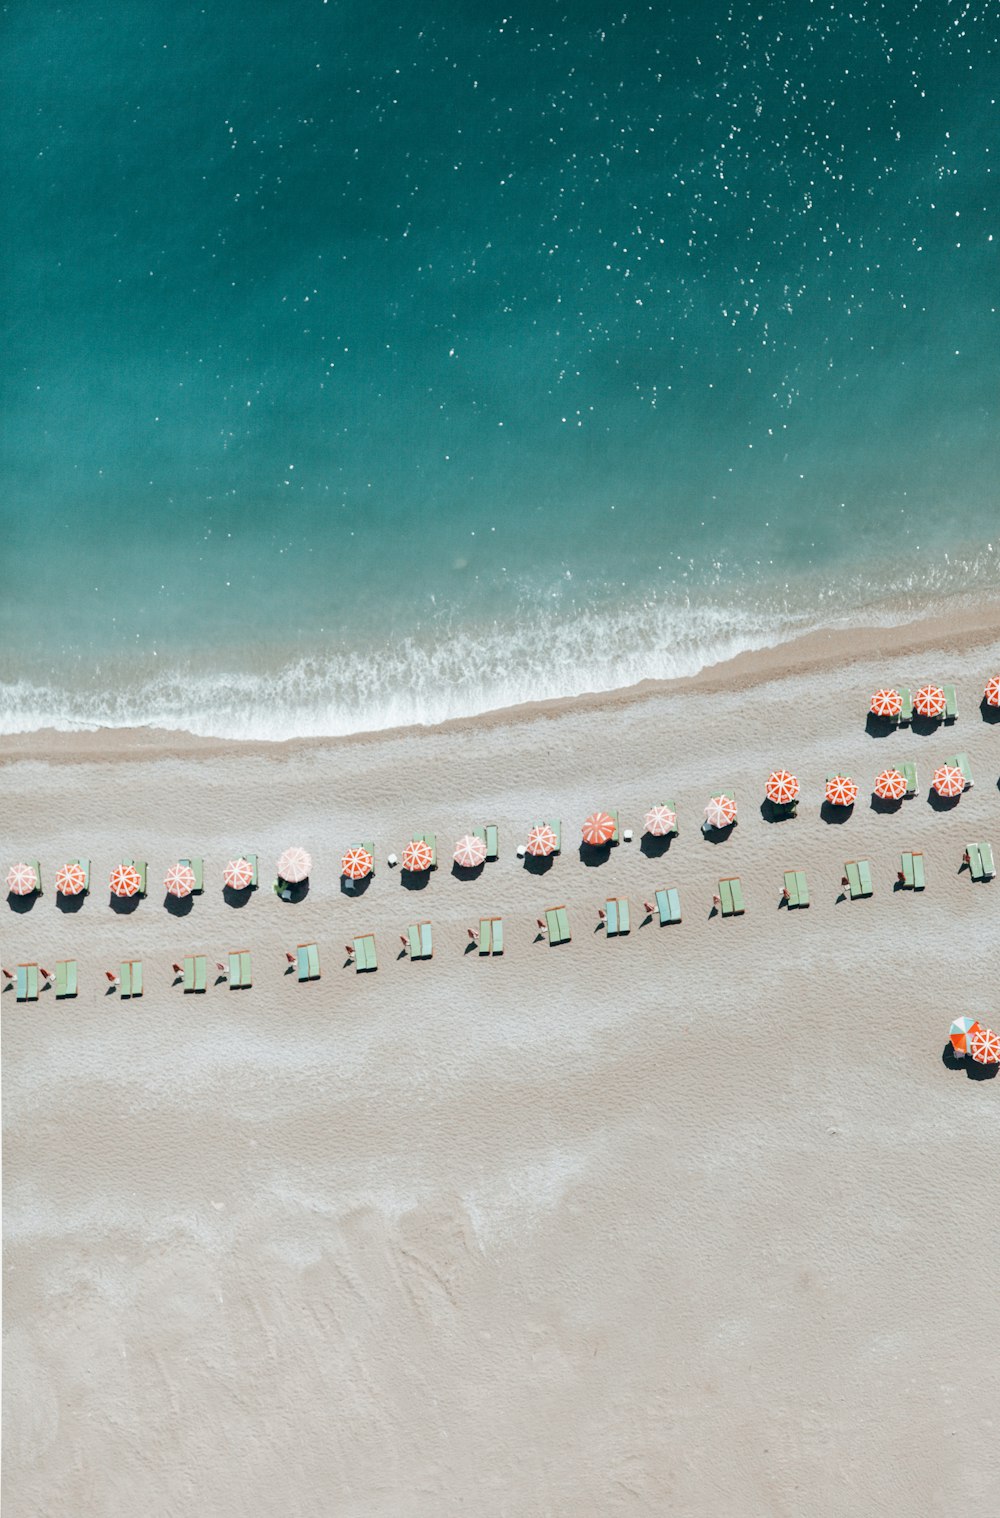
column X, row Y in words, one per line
column 930, row 700
column 969, row 1036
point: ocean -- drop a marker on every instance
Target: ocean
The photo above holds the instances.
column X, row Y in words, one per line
column 373, row 364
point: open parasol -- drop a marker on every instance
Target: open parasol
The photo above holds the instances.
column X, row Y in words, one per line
column 125, row 880
column 356, row 864
column 948, row 781
column 886, row 703
column 470, row 852
column 598, row 829
column 781, row 788
column 961, row 1031
column 294, row 865
column 720, row 812
column 984, row 1046
column 660, row 820
column 991, row 695
column 890, row 785
column 179, row 880
column 238, row 874
column 21, row 879
column 417, row 856
column 541, row 841
column 929, row 701
column 841, row 790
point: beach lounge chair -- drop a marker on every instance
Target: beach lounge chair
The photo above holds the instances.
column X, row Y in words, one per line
column 251, row 860
column 617, row 921
column 859, row 879
column 65, row 978
column 905, row 707
column 911, row 867
column 980, row 861
column 557, row 829
column 668, row 906
column 909, row 772
column 961, row 762
column 198, row 867
column 950, row 703
column 491, row 935
column 421, row 940
column 557, row 924
column 130, row 977
column 431, row 841
column 918, row 872
column 731, row 895
column 365, row 957
column 27, row 982
column 490, row 835
column 797, row 887
column 195, row 972
column 307, row 958
column 986, row 856
column 240, row 972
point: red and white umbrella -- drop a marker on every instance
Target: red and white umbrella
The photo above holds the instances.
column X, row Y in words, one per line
column 660, row 820
column 238, row 874
column 991, row 695
column 886, row 703
column 890, row 785
column 71, row 879
column 960, row 1032
column 356, row 864
column 21, row 879
column 294, row 865
column 470, row 852
column 720, row 812
column 929, row 701
column 541, row 840
column 841, row 790
column 984, row 1047
column 598, row 829
column 948, row 781
column 179, row 880
column 417, row 856
column 125, row 880
column 782, row 788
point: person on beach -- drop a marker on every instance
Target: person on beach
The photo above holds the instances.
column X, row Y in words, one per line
column 602, row 914
column 114, row 979
column 222, row 969
column 404, row 941
column 177, row 969
column 785, row 894
column 291, row 958
column 716, row 903
column 649, row 908
column 349, row 951
column 473, row 935
column 9, row 973
column 542, row 927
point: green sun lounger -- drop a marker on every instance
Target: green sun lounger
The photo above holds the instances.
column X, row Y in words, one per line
column 369, row 848
column 557, row 829
column 617, row 919
column 668, row 906
column 909, row 773
column 797, row 887
column 251, row 860
column 130, row 976
column 198, row 866
column 557, row 924
column 490, row 835
column 980, row 861
column 616, row 835
column 731, row 895
column 66, row 978
column 950, row 703
column 195, row 972
column 491, row 935
column 27, row 982
column 365, row 957
column 961, row 762
column 986, row 855
column 34, row 865
column 431, row 841
column 421, row 941
column 919, row 880
column 859, row 879
column 905, row 707
column 240, row 971
column 307, row 955
column 911, row 867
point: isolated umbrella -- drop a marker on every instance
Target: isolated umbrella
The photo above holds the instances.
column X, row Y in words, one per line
column 356, row 864
column 71, row 879
column 598, row 829
column 886, row 703
column 125, row 880
column 294, row 865
column 841, row 791
column 929, row 701
column 21, row 879
column 984, row 1046
column 417, row 856
column 890, row 786
column 238, row 874
column 470, row 852
column 660, row 820
column 720, row 812
column 948, row 781
column 782, row 788
column 541, row 840
column 179, row 880
column 960, row 1032
column 991, row 695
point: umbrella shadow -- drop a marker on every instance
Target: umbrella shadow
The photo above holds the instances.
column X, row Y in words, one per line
column 234, row 898
column 70, row 904
column 349, row 887
column 718, row 835
column 879, row 727
column 21, row 904
column 835, row 815
column 178, row 906
column 655, row 845
column 414, row 880
column 777, row 811
column 989, row 713
column 593, row 855
column 538, row 864
column 942, row 803
column 925, row 727
column 467, row 871
column 884, row 805
column 292, row 891
column 973, row 1070
column 124, row 906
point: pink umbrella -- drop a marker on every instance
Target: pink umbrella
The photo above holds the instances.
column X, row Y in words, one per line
column 782, row 788
column 984, row 1047
column 541, row 840
column 294, row 865
column 356, row 864
column 598, row 829
column 238, row 874
column 21, row 879
column 125, row 880
column 179, row 880
column 929, row 701
column 720, row 812
column 71, row 879
column 890, row 785
column 886, row 703
column 991, row 695
column 470, row 852
column 948, row 781
column 417, row 856
column 841, row 791
column 660, row 820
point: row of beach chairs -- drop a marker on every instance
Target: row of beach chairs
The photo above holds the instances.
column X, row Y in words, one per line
column 906, row 712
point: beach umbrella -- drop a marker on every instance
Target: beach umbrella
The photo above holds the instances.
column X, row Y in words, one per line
column 929, row 701
column 294, row 865
column 948, row 781
column 960, row 1032
column 125, row 880
column 470, row 852
column 991, row 695
column 782, row 788
column 21, row 879
column 541, row 840
column 179, row 880
column 598, row 829
column 720, row 812
column 238, row 874
column 660, row 820
column 886, row 703
column 841, row 791
column 417, row 856
column 984, row 1046
column 71, row 879
column 890, row 786
column 356, row 864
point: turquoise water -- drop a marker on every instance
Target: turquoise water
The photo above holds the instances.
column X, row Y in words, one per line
column 373, row 365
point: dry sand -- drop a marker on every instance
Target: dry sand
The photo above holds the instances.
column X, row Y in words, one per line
column 696, row 1221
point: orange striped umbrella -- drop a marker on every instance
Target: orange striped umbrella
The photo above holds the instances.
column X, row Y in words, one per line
column 179, row 880
column 984, row 1047
column 720, row 812
column 356, row 864
column 71, row 879
column 125, row 880
column 470, row 852
column 782, row 788
column 886, row 703
column 890, row 786
column 841, row 791
column 294, row 865
column 417, row 856
column 991, row 694
column 929, row 701
column 21, row 879
column 948, row 781
column 660, row 820
column 598, row 829
column 961, row 1031
column 238, row 874
column 541, row 840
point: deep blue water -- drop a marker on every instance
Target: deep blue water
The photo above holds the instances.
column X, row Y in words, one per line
column 373, row 363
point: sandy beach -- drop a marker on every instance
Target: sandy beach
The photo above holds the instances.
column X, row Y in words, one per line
column 695, row 1221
